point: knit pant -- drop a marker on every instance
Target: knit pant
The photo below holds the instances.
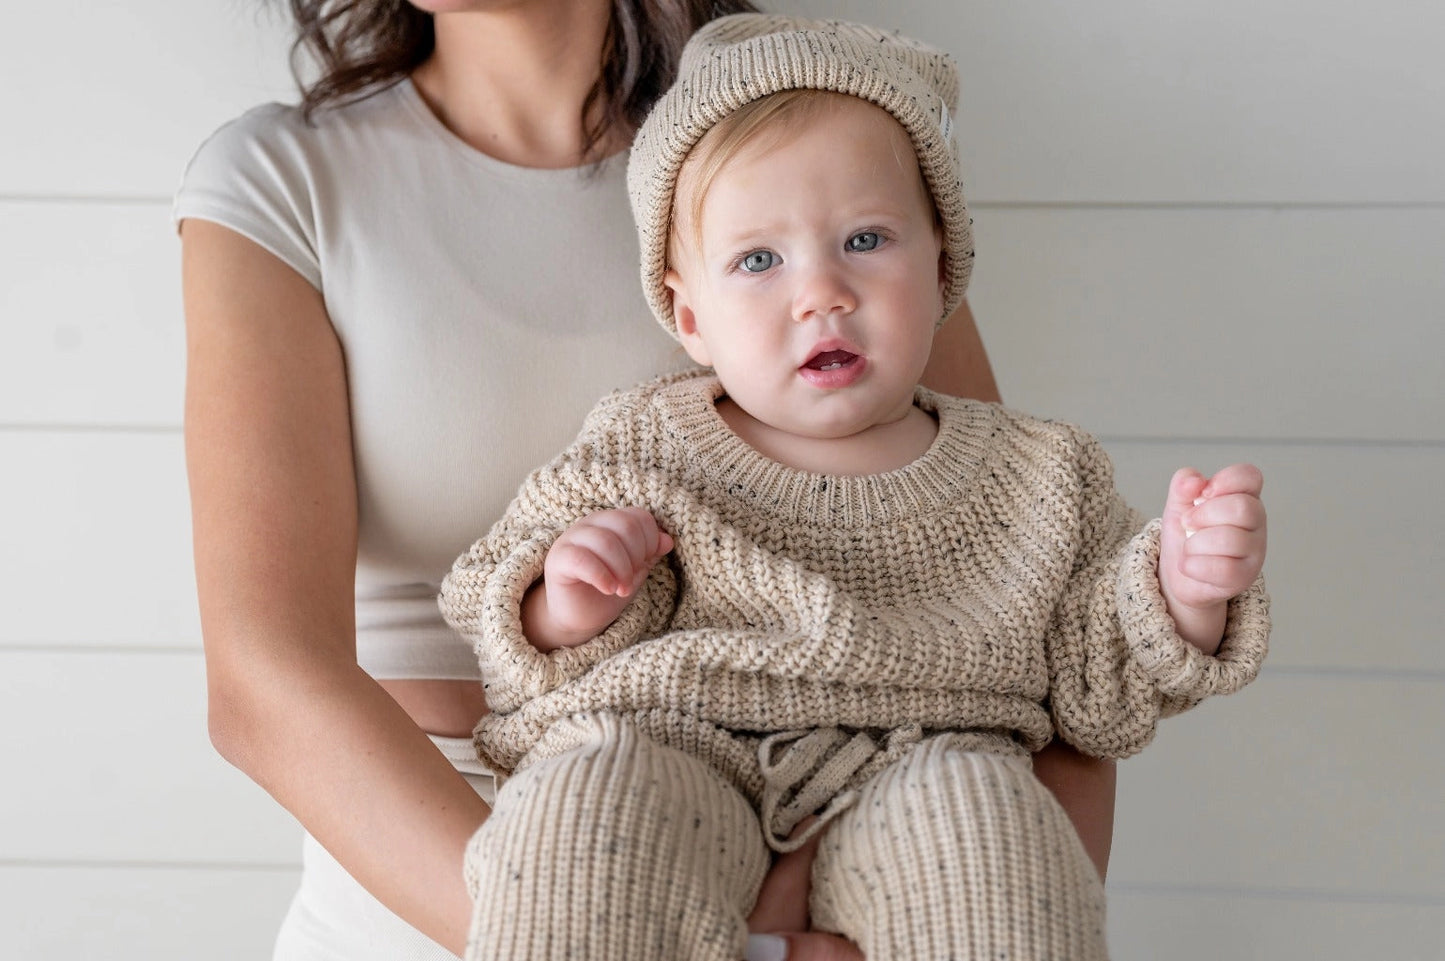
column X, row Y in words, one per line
column 958, row 855
column 620, row 849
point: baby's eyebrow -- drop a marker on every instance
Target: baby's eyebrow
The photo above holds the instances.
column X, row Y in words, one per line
column 753, row 232
column 860, row 217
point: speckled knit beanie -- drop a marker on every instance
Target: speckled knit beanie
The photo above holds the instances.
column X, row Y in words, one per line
column 735, row 60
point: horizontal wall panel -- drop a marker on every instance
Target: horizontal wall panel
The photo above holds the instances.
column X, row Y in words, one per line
column 1138, row 101
column 1313, row 324
column 91, row 296
column 1224, row 323
column 97, row 540
column 154, row 914
column 1355, row 566
column 1296, row 783
column 1124, row 101
column 115, row 765
column 121, row 104
column 1331, row 786
column 1255, row 926
column 163, row 914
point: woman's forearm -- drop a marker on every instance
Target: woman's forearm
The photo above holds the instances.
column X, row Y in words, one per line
column 959, row 363
column 273, row 517
column 1085, row 787
column 334, row 749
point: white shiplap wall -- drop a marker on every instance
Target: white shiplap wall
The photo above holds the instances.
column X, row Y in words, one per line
column 1208, row 232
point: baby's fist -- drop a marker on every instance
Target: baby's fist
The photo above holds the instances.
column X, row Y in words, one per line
column 1214, row 532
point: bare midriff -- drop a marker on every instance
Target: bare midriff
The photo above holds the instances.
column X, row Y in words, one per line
column 443, row 708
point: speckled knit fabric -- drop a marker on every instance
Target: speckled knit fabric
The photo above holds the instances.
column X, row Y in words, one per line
column 996, row 585
column 615, row 848
column 955, row 854
column 885, row 649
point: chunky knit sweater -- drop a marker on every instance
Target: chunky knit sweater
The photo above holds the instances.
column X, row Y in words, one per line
column 997, row 585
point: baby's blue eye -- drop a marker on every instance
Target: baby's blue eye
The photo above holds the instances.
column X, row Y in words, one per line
column 759, row 261
column 865, row 241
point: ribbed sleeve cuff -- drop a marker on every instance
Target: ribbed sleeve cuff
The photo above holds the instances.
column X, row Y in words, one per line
column 513, row 671
column 1178, row 669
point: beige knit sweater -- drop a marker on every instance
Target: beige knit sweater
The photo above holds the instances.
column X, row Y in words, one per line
column 997, row 585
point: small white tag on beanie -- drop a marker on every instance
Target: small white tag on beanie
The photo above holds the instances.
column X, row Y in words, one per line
column 945, row 120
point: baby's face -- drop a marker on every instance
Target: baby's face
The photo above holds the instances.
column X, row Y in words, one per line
column 813, row 286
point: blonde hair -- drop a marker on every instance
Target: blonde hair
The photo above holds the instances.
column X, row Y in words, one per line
column 765, row 123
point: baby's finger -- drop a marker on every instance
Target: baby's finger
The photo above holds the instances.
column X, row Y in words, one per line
column 637, row 529
column 1235, row 479
column 1185, row 487
column 1228, row 576
column 1244, row 511
column 570, row 562
column 1222, row 541
column 609, row 549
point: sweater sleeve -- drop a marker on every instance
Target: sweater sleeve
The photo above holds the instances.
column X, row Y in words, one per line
column 1116, row 663
column 482, row 595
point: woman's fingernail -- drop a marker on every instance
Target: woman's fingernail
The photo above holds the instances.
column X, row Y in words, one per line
column 766, row 947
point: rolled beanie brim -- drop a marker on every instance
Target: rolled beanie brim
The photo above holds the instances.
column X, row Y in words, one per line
column 735, row 60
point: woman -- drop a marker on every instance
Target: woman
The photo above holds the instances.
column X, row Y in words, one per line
column 372, row 293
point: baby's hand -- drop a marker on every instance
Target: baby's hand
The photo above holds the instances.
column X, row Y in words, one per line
column 589, row 574
column 1212, row 547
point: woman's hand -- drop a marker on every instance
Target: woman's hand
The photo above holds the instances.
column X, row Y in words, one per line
column 779, row 922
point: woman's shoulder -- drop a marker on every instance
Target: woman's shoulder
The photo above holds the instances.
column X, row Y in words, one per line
column 264, row 173
column 252, row 175
column 261, row 123
column 279, row 137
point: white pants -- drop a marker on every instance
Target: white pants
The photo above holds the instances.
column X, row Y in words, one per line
column 332, row 918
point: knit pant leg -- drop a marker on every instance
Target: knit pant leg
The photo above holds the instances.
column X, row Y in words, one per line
column 616, row 849
column 964, row 856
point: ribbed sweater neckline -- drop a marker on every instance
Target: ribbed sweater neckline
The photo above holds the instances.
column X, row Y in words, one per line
column 715, row 456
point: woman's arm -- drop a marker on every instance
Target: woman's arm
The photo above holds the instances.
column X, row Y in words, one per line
column 959, row 363
column 1084, row 785
column 273, row 499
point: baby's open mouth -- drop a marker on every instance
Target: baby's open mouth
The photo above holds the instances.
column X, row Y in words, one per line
column 831, row 360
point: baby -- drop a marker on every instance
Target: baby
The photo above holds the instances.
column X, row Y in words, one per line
column 795, row 582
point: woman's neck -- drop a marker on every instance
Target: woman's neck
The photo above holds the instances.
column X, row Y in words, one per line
column 876, row 450
column 512, row 82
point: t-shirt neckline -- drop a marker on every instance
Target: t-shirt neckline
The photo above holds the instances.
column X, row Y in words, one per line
column 417, row 105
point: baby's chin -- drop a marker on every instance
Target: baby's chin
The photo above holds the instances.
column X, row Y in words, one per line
column 835, row 419
column 847, row 428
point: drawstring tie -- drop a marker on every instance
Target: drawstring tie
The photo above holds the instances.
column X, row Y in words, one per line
column 802, row 770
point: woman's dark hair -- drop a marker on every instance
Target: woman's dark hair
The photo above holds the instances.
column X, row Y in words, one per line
column 361, row 46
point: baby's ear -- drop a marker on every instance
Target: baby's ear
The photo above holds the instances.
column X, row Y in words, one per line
column 684, row 319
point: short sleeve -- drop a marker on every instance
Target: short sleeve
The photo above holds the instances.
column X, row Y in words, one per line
column 253, row 175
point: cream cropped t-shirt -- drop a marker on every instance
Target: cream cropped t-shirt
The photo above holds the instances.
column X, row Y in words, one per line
column 482, row 308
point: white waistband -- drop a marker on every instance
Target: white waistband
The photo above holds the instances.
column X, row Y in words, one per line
column 462, row 753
